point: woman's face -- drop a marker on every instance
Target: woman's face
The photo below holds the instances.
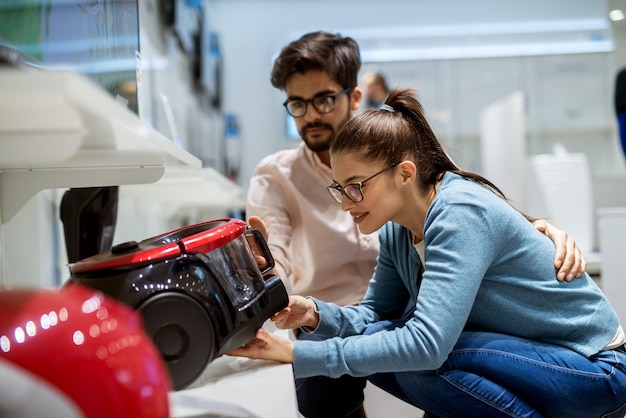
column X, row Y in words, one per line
column 382, row 199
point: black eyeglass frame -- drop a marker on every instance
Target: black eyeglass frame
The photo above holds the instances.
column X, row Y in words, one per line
column 358, row 186
column 334, row 97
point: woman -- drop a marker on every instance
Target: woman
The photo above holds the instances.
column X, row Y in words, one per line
column 493, row 333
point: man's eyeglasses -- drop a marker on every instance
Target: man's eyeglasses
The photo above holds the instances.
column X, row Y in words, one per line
column 322, row 104
column 353, row 191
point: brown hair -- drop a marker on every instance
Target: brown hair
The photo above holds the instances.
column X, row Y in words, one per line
column 402, row 133
column 334, row 54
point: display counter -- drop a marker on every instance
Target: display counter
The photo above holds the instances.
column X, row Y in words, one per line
column 239, row 387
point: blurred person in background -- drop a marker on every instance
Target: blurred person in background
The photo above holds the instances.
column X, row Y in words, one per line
column 376, row 89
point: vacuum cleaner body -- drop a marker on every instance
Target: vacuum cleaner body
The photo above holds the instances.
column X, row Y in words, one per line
column 198, row 289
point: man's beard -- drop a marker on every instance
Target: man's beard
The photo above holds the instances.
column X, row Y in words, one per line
column 320, row 146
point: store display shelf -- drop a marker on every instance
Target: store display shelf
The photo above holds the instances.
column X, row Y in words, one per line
column 183, row 188
column 59, row 129
column 238, row 387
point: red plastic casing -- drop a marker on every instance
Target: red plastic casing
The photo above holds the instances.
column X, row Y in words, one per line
column 91, row 348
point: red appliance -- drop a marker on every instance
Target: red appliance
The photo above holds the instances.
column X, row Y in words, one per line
column 198, row 289
column 76, row 353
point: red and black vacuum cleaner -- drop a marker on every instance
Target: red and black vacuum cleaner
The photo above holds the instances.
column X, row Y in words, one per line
column 198, row 289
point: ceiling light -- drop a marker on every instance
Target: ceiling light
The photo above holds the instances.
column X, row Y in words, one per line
column 616, row 15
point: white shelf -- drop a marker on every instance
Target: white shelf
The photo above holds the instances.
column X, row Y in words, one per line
column 183, row 196
column 185, row 188
column 238, row 387
column 59, row 129
column 261, row 389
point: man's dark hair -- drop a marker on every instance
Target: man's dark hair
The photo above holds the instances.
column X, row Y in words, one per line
column 334, row 54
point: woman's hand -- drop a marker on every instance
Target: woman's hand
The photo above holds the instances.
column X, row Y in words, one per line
column 301, row 312
column 568, row 258
column 266, row 346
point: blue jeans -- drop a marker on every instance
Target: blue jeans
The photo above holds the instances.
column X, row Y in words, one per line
column 324, row 397
column 496, row 375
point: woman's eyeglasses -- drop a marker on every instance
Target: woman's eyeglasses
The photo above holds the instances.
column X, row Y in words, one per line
column 322, row 104
column 353, row 191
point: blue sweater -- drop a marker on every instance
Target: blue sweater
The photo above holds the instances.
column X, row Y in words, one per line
column 486, row 268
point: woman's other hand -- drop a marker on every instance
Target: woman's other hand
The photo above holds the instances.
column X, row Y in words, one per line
column 568, row 258
column 301, row 312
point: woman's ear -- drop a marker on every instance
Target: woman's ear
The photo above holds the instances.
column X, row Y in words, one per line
column 407, row 171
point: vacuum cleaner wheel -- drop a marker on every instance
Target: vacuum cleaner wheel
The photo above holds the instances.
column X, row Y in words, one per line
column 183, row 332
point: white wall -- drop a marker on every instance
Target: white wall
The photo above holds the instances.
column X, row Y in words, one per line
column 29, row 249
column 167, row 72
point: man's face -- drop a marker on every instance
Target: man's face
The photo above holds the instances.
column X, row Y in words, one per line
column 316, row 129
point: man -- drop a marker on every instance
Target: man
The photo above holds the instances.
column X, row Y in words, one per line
column 318, row 249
